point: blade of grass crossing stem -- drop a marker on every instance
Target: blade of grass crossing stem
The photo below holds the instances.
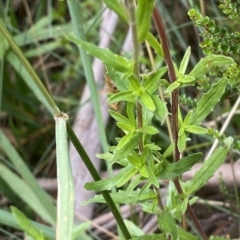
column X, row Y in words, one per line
column 65, row 202
column 77, row 22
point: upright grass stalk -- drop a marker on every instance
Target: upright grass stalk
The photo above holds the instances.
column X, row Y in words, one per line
column 77, row 21
column 174, row 108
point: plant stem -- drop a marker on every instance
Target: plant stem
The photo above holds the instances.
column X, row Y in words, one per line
column 96, row 177
column 136, row 47
column 172, row 76
column 174, row 108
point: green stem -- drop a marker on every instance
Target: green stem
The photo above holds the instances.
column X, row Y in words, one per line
column 29, row 68
column 136, row 47
column 77, row 22
column 96, row 177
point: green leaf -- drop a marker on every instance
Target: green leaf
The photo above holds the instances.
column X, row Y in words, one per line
column 31, row 181
column 109, row 58
column 147, row 101
column 143, row 15
column 124, row 140
column 202, row 67
column 143, row 171
column 121, row 96
column 65, row 200
column 148, row 130
column 195, row 129
column 208, row 101
column 151, row 81
column 126, row 177
column 26, row 225
column 107, row 184
column 130, row 113
column 186, row 235
column 185, row 60
column 175, row 169
column 24, row 191
column 133, row 229
column 134, row 160
column 127, row 149
column 152, row 236
column 126, row 127
column 121, row 198
column 119, row 79
column 182, row 138
column 8, row 219
column 119, row 117
column 186, row 79
column 118, row 8
column 187, row 118
column 152, row 178
column 154, row 43
column 168, row 226
column 209, row 167
column 172, row 87
column 161, row 108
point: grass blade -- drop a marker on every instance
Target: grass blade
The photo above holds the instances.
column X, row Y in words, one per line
column 65, row 202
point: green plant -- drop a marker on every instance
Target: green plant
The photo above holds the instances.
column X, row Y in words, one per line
column 141, row 161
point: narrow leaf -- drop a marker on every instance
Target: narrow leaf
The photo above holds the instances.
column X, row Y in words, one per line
column 109, row 58
column 202, row 67
column 117, row 8
column 126, row 177
column 209, row 167
column 120, row 197
column 23, row 190
column 208, row 102
column 147, row 101
column 151, row 81
column 144, row 13
column 161, row 108
column 119, row 117
column 26, row 225
column 148, row 130
column 65, row 201
column 121, row 96
column 127, row 149
column 154, row 43
column 185, row 60
column 175, row 169
column 126, row 127
column 152, row 177
column 125, row 139
column 106, row 184
column 196, row 129
column 168, row 226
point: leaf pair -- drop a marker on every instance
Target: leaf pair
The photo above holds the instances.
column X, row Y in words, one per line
column 199, row 70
